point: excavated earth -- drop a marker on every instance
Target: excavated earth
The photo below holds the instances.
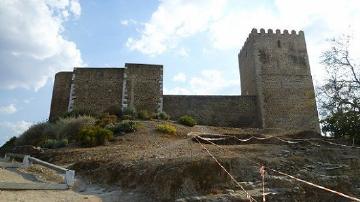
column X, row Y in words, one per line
column 177, row 168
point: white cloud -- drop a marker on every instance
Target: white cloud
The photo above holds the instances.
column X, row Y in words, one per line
column 32, row 46
column 174, row 20
column 124, row 22
column 75, row 7
column 183, row 52
column 9, row 109
column 127, row 22
column 209, row 82
column 177, row 91
column 180, row 77
column 227, row 24
column 16, row 127
column 27, row 101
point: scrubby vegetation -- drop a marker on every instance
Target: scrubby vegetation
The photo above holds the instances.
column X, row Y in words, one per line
column 128, row 114
column 187, row 121
column 126, row 126
column 143, row 115
column 75, row 128
column 163, row 116
column 45, row 133
column 69, row 127
column 106, row 119
column 8, row 145
column 53, row 143
column 93, row 136
column 34, row 135
column 80, row 112
column 166, row 128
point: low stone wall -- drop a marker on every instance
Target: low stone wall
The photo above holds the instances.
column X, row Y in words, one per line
column 232, row 111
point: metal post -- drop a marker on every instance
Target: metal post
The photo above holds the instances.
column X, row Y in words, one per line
column 70, row 177
column 26, row 161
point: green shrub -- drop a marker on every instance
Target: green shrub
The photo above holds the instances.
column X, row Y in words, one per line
column 64, row 128
column 123, row 127
column 79, row 112
column 163, row 116
column 114, row 110
column 344, row 125
column 128, row 113
column 8, row 145
column 53, row 143
column 166, row 128
column 187, row 120
column 127, row 117
column 69, row 127
column 51, row 131
column 93, row 136
column 154, row 116
column 106, row 119
column 143, row 115
column 33, row 136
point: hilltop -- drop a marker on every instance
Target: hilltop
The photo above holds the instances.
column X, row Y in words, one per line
column 169, row 167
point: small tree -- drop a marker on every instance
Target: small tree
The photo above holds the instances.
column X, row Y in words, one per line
column 339, row 98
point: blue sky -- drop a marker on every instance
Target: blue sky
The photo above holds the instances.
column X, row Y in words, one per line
column 196, row 41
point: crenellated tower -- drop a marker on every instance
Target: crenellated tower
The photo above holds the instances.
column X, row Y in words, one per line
column 275, row 68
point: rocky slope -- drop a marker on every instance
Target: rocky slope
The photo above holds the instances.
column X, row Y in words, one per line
column 175, row 167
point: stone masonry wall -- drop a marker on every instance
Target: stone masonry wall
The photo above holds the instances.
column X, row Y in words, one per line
column 144, row 86
column 284, row 87
column 247, row 70
column 97, row 88
column 235, row 111
column 60, row 94
column 276, row 86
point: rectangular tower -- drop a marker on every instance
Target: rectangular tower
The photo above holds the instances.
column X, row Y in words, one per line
column 60, row 94
column 96, row 89
column 275, row 68
column 143, row 87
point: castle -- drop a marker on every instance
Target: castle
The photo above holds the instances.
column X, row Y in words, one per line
column 276, row 88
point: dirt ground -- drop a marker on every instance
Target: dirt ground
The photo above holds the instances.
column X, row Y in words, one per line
column 80, row 192
column 13, row 175
column 169, row 167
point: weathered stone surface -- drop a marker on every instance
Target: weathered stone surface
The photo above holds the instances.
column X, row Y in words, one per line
column 275, row 68
column 276, row 87
column 97, row 88
column 144, row 86
column 60, row 95
column 235, row 111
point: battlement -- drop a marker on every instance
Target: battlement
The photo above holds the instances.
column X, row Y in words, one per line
column 277, row 32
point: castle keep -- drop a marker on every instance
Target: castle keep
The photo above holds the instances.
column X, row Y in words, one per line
column 276, row 88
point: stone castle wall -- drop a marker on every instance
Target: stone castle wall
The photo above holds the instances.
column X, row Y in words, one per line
column 144, row 87
column 97, row 88
column 233, row 111
column 60, row 94
column 276, row 86
column 283, row 83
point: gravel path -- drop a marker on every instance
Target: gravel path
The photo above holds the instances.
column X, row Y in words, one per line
column 12, row 175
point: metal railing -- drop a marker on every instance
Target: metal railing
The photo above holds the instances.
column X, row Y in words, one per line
column 28, row 160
